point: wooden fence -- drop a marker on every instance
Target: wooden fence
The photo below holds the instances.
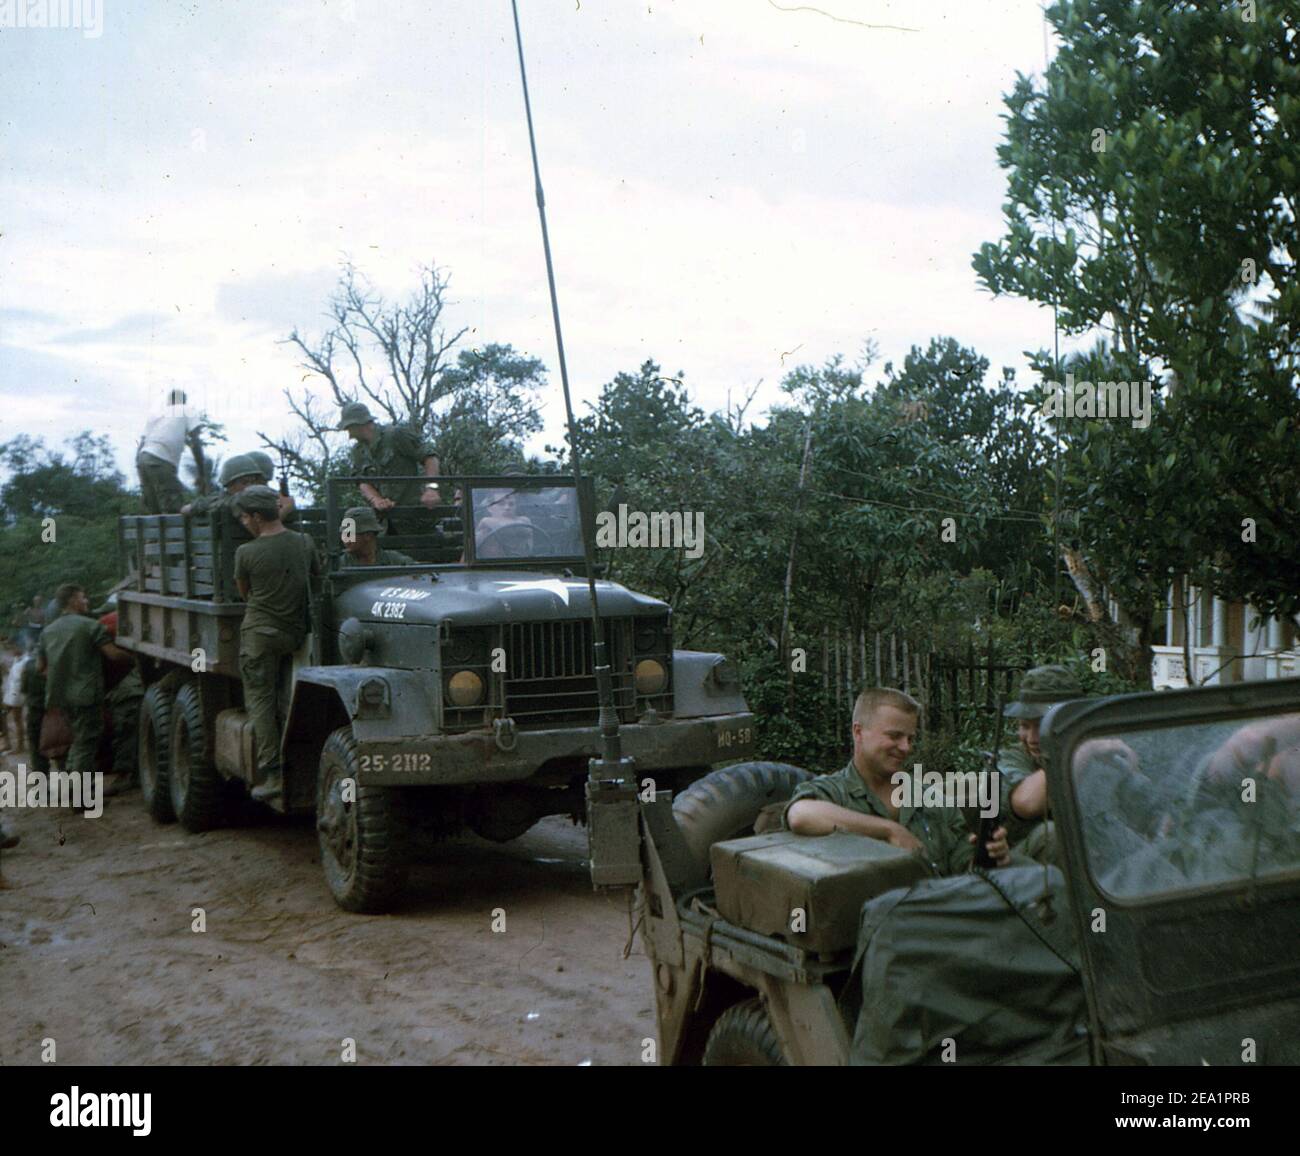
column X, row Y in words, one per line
column 952, row 687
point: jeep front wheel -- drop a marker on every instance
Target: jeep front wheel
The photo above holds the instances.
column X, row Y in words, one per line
column 358, row 831
column 744, row 1037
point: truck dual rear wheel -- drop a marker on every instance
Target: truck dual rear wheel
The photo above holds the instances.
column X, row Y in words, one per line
column 725, row 803
column 358, row 829
column 744, row 1037
column 155, row 752
column 194, row 785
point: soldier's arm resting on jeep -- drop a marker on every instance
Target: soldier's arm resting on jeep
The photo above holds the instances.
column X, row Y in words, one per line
column 818, row 817
column 1029, row 799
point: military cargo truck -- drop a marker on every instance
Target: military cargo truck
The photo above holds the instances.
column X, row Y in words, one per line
column 455, row 692
column 1160, row 929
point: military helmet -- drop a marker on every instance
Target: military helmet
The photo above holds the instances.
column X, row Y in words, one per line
column 363, row 519
column 261, row 459
column 258, row 500
column 1041, row 689
column 238, row 466
column 355, row 413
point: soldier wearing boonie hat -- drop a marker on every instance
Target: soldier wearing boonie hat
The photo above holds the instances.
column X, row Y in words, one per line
column 1023, row 777
column 382, row 450
column 273, row 573
column 359, row 532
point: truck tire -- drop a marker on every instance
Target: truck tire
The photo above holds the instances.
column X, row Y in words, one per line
column 744, row 1037
column 193, row 781
column 725, row 803
column 155, row 752
column 360, row 843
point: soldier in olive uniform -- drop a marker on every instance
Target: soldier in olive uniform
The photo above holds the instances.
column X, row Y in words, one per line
column 359, row 532
column 69, row 657
column 860, row 798
column 1023, row 779
column 238, row 472
column 391, row 449
column 273, row 573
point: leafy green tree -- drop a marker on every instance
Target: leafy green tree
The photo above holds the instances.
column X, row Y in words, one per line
column 1151, row 198
column 58, row 517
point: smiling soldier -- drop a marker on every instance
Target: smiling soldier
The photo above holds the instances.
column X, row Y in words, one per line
column 860, row 798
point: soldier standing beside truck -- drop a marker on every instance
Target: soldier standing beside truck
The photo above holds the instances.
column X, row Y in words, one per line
column 385, row 450
column 859, row 798
column 70, row 649
column 273, row 573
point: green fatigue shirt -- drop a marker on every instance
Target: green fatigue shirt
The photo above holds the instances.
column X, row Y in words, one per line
column 74, row 676
column 941, row 830
column 397, row 449
column 278, row 569
column 382, row 558
column 1014, row 766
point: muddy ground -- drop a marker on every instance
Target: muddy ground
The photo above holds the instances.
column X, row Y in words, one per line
column 97, row 950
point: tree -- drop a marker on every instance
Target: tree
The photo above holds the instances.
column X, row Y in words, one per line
column 58, row 517
column 397, row 357
column 1151, row 198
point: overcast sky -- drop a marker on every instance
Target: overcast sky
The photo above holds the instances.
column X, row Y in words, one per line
column 733, row 189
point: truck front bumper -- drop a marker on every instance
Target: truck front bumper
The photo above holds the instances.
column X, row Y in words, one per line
column 479, row 757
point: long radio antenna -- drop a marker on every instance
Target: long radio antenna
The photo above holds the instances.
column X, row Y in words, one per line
column 611, row 747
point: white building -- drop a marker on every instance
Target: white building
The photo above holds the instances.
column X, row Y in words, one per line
column 1223, row 646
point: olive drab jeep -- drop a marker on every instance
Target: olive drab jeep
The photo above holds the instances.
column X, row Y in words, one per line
column 1160, row 927
column 455, row 692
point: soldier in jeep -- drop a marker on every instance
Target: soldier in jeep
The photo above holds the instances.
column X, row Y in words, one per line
column 860, row 798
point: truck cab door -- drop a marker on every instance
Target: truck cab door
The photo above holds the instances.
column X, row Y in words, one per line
column 1178, row 814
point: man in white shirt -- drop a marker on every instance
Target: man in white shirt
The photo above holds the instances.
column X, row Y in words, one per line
column 165, row 439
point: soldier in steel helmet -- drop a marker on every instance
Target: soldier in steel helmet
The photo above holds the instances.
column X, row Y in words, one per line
column 273, row 573
column 238, row 472
column 359, row 532
column 391, row 450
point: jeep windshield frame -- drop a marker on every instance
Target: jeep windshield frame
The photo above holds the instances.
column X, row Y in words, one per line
column 1156, row 956
column 460, row 513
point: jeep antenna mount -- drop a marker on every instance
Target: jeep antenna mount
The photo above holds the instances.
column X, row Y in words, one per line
column 612, row 812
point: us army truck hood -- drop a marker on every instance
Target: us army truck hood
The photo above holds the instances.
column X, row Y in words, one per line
column 474, row 597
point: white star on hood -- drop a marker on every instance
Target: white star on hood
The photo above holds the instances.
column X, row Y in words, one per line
column 554, row 585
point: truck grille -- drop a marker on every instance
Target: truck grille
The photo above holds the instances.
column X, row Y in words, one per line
column 549, row 673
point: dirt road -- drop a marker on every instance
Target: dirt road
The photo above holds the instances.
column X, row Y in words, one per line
column 98, row 951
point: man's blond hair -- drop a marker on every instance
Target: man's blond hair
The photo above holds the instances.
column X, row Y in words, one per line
column 872, row 698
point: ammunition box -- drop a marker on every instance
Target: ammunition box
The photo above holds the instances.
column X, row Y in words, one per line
column 807, row 890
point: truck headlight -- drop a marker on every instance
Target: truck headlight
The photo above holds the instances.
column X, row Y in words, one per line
column 651, row 677
column 465, row 688
column 354, row 641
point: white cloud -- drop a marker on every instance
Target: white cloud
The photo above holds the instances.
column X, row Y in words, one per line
column 181, row 191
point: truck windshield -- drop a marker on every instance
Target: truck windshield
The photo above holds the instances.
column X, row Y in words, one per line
column 1190, row 805
column 512, row 523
